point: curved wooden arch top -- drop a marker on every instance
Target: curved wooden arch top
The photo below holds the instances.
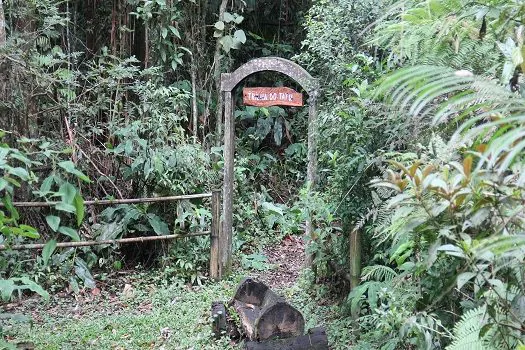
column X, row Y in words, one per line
column 276, row 64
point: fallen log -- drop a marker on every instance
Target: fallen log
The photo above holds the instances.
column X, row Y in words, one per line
column 265, row 315
column 315, row 340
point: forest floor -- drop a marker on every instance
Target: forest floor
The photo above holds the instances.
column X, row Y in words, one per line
column 287, row 260
column 140, row 310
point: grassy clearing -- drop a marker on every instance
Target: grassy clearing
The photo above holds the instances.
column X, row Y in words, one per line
column 169, row 316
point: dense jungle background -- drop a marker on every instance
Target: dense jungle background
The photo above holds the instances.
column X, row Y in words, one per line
column 418, row 207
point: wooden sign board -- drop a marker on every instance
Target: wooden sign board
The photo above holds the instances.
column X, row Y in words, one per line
column 272, row 96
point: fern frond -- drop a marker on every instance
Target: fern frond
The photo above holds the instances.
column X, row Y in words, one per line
column 378, row 273
column 444, row 32
column 466, row 331
column 438, row 94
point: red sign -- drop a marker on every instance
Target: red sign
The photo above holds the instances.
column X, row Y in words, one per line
column 272, row 96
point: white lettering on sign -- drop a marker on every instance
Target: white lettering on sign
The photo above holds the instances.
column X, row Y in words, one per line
column 271, row 97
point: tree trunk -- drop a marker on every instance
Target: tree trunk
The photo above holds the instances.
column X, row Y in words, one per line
column 194, row 109
column 2, row 24
column 311, row 170
column 217, row 76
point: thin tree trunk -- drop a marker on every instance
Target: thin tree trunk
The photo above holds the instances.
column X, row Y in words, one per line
column 2, row 24
column 113, row 35
column 217, row 76
column 194, row 109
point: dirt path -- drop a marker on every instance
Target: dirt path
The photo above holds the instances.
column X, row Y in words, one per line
column 287, row 259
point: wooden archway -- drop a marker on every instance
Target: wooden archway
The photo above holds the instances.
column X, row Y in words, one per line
column 229, row 82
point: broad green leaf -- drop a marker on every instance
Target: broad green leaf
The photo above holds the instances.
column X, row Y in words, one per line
column 451, row 249
column 464, row 278
column 79, row 208
column 33, row 286
column 18, row 172
column 68, row 192
column 69, row 166
column 53, row 222
column 82, row 271
column 9, row 206
column 3, row 184
column 21, row 158
column 240, row 36
column 65, row 207
column 164, row 32
column 158, row 225
column 12, row 181
column 6, row 288
column 272, row 208
column 175, row 31
column 264, row 126
column 46, row 184
column 228, row 17
column 48, row 250
column 26, row 231
column 219, row 25
column 238, row 19
column 74, row 284
column 226, row 42
column 68, row 231
column 518, row 307
column 109, row 231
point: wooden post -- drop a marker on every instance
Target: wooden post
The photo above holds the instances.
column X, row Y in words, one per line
column 355, row 258
column 215, row 234
column 312, row 162
column 225, row 240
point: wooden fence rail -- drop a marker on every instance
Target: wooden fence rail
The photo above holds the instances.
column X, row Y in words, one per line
column 217, row 249
column 117, row 201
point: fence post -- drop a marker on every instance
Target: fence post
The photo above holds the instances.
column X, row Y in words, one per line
column 215, row 272
column 355, row 258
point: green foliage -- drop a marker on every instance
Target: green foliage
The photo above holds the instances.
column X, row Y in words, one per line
column 443, row 220
column 226, row 30
column 188, row 259
column 254, row 261
column 265, row 121
column 455, row 33
column 334, row 37
column 463, row 208
column 162, row 16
